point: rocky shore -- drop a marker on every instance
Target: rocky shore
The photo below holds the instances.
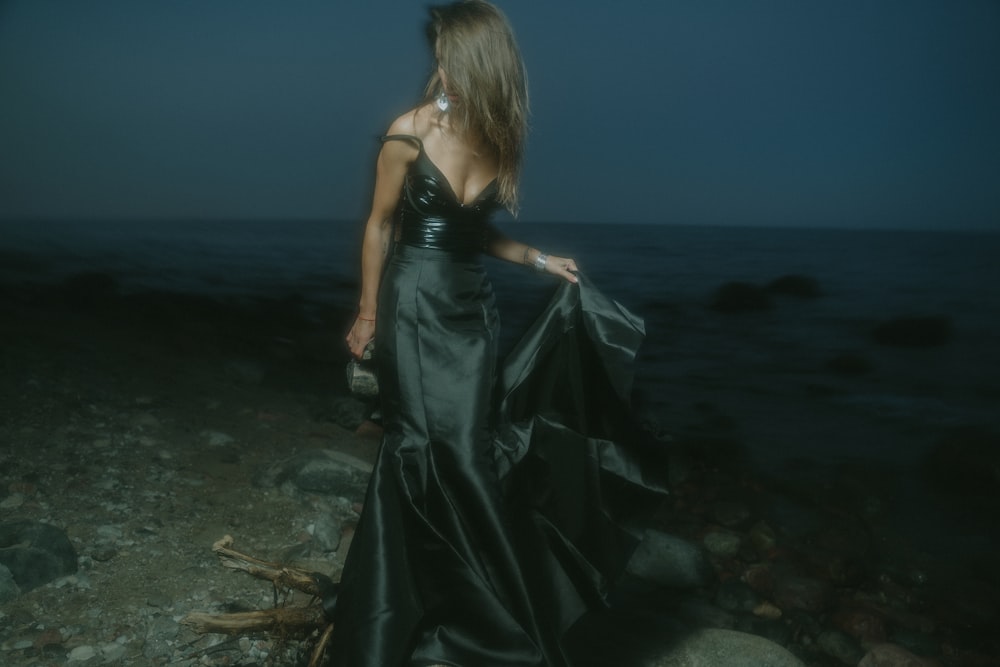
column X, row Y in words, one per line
column 138, row 430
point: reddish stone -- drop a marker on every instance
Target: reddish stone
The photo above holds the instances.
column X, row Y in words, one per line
column 759, row 578
column 797, row 592
column 861, row 622
column 369, row 429
column 50, row 637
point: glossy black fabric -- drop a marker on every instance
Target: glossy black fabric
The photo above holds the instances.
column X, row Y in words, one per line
column 495, row 513
column 430, row 215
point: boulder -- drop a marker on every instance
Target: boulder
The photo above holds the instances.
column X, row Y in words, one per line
column 671, row 561
column 35, row 553
column 724, row 648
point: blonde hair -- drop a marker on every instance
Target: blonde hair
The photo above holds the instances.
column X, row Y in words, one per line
column 475, row 46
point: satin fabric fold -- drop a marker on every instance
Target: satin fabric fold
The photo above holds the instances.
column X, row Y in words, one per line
column 490, row 527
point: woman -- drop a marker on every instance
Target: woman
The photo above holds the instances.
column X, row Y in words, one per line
column 442, row 562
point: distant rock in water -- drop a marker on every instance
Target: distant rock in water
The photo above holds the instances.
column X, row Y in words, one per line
column 35, row 553
column 799, row 286
column 740, row 297
column 927, row 331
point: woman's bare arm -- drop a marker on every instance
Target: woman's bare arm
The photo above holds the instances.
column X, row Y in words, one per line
column 393, row 161
column 508, row 249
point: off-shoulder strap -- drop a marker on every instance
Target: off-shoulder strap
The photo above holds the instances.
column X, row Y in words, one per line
column 402, row 137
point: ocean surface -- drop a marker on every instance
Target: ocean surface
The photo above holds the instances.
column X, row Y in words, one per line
column 762, row 377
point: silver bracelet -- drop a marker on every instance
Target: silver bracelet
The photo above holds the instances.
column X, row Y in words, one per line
column 541, row 261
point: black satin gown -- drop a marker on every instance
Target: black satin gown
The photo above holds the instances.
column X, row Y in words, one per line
column 498, row 508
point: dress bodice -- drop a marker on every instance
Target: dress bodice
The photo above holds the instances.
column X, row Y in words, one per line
column 430, row 214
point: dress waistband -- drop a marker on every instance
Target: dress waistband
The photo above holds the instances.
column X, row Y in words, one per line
column 466, row 237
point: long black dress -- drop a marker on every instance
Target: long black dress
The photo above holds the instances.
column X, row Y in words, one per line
column 495, row 512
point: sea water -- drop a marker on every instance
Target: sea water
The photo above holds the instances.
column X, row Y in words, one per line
column 764, row 373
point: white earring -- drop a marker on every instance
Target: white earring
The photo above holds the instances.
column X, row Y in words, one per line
column 442, row 101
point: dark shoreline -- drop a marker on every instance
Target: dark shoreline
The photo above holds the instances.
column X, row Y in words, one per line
column 82, row 364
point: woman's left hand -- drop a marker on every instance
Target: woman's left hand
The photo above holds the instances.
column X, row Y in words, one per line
column 564, row 267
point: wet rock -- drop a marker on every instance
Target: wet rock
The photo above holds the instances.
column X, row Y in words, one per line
column 349, row 412
column 327, row 531
column 862, row 622
column 697, row 612
column 760, row 578
column 82, row 654
column 890, row 655
column 915, row 642
column 927, row 331
column 772, row 629
column 799, row 592
column 722, row 543
column 740, row 297
column 324, row 471
column 35, row 553
column 840, row 646
column 671, row 561
column 730, row 514
column 763, row 537
column 736, row 596
column 8, row 587
column 795, row 285
column 725, row 648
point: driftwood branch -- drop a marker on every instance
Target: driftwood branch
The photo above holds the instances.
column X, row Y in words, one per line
column 281, row 621
column 278, row 574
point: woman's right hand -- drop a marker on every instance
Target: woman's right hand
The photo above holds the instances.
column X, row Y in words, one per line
column 360, row 335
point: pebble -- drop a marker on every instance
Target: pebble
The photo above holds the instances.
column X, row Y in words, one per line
column 13, row 501
column 722, row 543
column 840, row 646
column 82, row 654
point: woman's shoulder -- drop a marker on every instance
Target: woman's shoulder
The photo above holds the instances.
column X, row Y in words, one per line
column 416, row 122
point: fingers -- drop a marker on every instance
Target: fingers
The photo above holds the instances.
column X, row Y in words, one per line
column 563, row 267
column 359, row 336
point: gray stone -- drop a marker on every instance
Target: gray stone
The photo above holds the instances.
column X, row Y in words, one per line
column 319, row 471
column 327, row 531
column 8, row 587
column 723, row 543
column 671, row 561
column 736, row 596
column 840, row 646
column 82, row 654
column 35, row 553
column 724, row 648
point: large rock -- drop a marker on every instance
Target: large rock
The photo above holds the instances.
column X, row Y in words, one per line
column 325, row 471
column 35, row 553
column 724, row 648
column 671, row 561
column 8, row 587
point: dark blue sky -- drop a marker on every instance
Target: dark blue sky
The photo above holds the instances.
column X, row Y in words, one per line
column 873, row 113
